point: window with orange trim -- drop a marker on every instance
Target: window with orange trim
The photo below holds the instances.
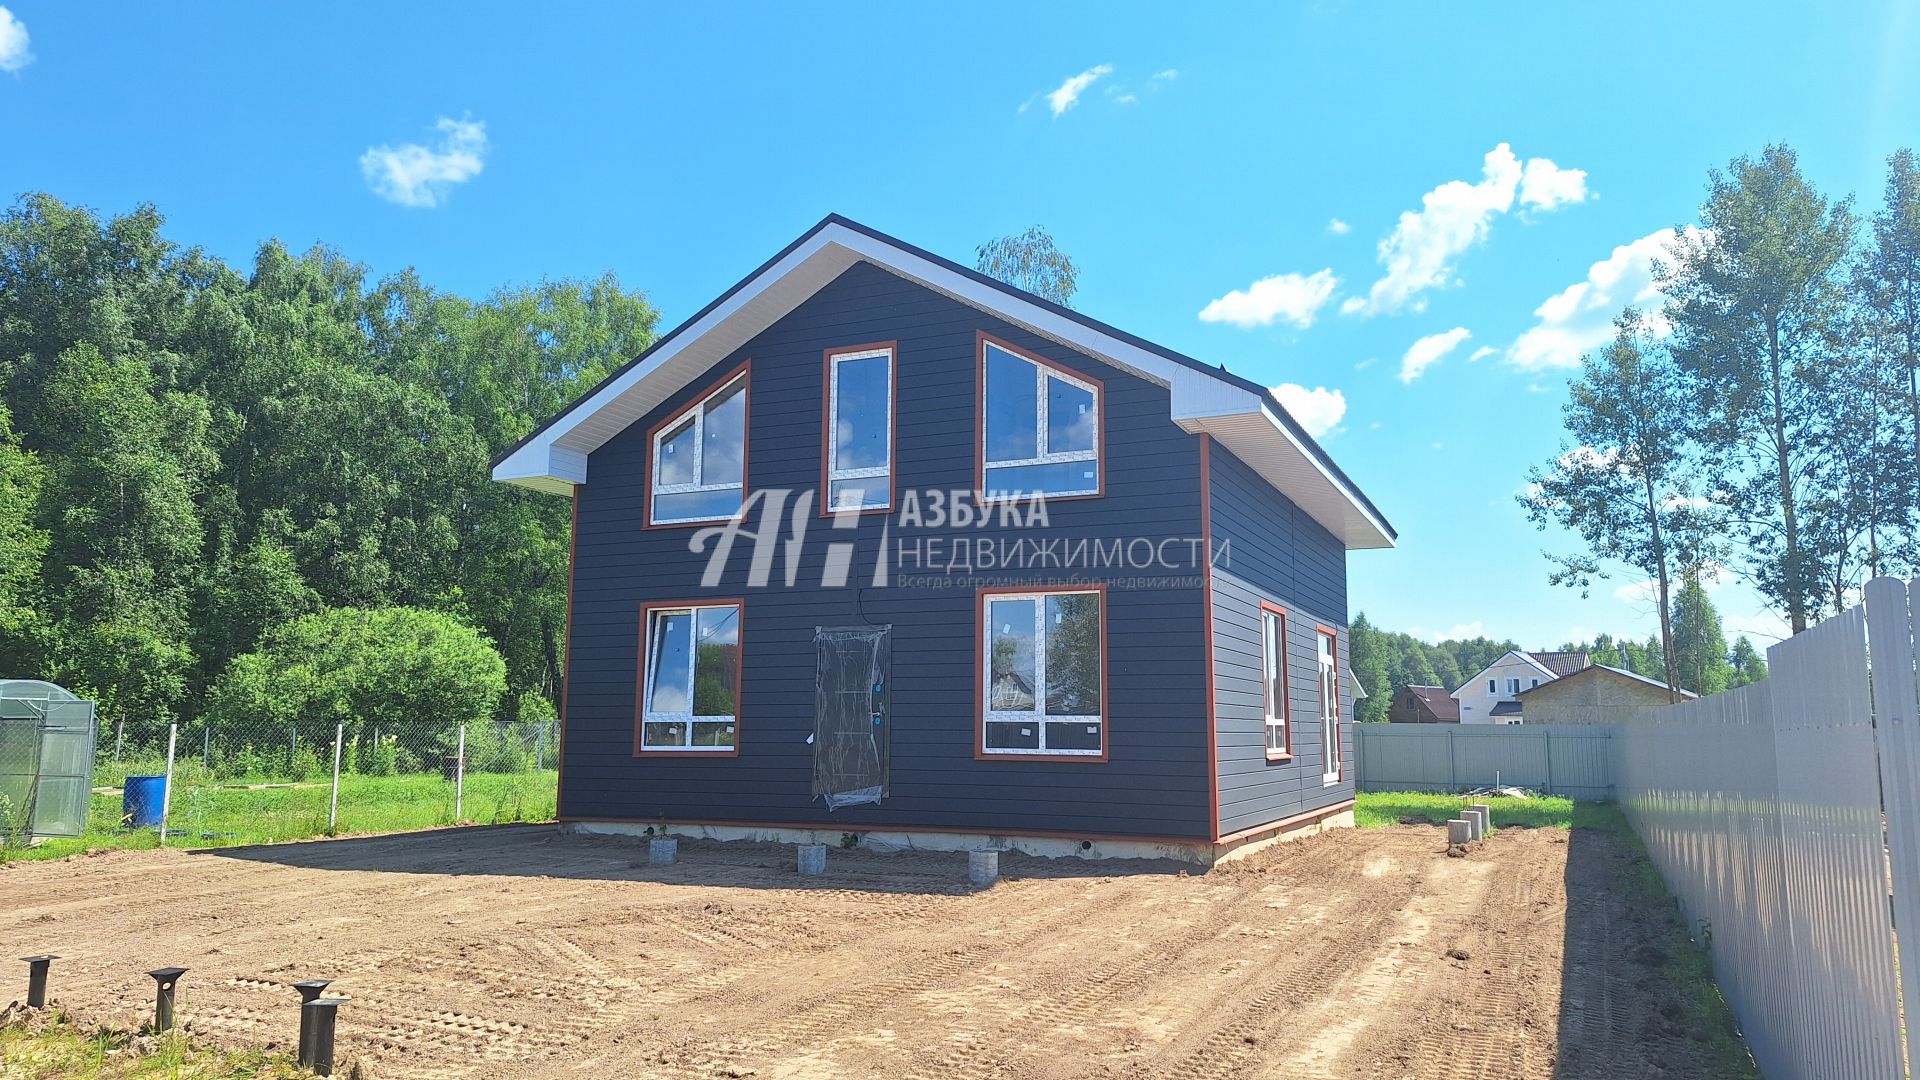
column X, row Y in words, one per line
column 1329, row 707
column 700, row 460
column 1040, row 428
column 860, row 429
column 690, row 679
column 1043, row 674
column 1273, row 649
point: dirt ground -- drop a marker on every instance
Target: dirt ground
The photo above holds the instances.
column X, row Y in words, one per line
column 517, row 952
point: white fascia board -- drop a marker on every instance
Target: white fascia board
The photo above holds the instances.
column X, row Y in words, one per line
column 556, row 459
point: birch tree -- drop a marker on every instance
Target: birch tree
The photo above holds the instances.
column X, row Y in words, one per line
column 1624, row 484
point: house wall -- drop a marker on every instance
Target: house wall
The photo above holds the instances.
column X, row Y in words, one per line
column 1407, row 708
column 1156, row 780
column 1476, row 704
column 1273, row 552
column 1598, row 698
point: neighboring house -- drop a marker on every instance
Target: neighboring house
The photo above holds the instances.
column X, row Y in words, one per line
column 1597, row 694
column 828, row 673
column 1493, row 696
column 1424, row 705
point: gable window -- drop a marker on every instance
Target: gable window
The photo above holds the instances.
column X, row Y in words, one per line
column 1043, row 673
column 1040, row 427
column 1329, row 708
column 1493, row 686
column 700, row 459
column 689, row 678
column 1536, row 682
column 1273, row 649
column 1513, row 686
column 859, row 431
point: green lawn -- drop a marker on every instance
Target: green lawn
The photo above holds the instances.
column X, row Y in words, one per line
column 45, row 1046
column 209, row 814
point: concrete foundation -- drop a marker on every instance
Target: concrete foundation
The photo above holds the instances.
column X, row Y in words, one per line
column 983, row 868
column 661, row 852
column 1459, row 832
column 1200, row 853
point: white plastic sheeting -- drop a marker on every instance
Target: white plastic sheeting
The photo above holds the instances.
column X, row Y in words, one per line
column 851, row 721
column 1762, row 808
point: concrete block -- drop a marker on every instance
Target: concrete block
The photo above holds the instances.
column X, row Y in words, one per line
column 1487, row 809
column 1478, row 820
column 983, row 868
column 813, row 859
column 661, row 851
column 1459, row 831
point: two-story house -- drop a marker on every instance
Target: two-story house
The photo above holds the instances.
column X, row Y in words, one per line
column 875, row 544
column 1493, row 695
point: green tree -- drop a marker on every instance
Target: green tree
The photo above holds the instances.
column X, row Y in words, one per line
column 1700, row 648
column 1888, row 281
column 1745, row 664
column 1756, row 304
column 23, row 548
column 1625, row 486
column 1030, row 261
column 360, row 667
column 1370, row 655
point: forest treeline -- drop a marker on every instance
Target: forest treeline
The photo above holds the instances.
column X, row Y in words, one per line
column 1386, row 662
column 193, row 453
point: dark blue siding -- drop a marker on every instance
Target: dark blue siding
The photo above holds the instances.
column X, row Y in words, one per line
column 1276, row 553
column 1155, row 784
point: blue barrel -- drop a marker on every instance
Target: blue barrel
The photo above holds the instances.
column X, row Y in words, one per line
column 141, row 800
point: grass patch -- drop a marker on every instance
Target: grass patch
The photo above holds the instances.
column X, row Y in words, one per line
column 206, row 814
column 1374, row 809
column 44, row 1045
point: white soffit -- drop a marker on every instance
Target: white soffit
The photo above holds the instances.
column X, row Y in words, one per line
column 1247, row 423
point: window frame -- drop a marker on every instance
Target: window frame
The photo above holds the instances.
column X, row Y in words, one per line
column 1513, row 684
column 983, row 675
column 830, row 423
column 743, row 375
column 1333, row 761
column 1493, row 686
column 641, row 717
column 1045, row 368
column 1284, row 721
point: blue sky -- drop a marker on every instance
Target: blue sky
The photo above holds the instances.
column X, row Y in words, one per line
column 681, row 147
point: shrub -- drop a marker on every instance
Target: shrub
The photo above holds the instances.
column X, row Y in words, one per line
column 359, row 667
column 304, row 763
column 381, row 758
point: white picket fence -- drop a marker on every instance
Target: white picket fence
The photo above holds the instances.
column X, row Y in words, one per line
column 1763, row 808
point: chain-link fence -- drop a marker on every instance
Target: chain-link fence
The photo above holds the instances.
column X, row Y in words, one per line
column 205, row 785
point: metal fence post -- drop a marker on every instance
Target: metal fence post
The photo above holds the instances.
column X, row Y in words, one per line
column 459, row 773
column 206, row 744
column 166, row 791
column 1546, row 736
column 333, row 803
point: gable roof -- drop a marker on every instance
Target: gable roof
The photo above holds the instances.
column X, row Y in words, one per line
column 1506, row 708
column 1592, row 670
column 1437, row 701
column 1243, row 416
column 1563, row 663
column 1526, row 658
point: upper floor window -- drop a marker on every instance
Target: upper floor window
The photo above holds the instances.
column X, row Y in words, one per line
column 1513, row 686
column 1273, row 648
column 859, row 451
column 1040, row 427
column 1329, row 707
column 1493, row 686
column 700, row 459
column 1044, row 673
column 690, row 678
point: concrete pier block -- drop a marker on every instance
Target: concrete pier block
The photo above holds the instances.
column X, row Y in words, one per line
column 983, row 868
column 661, row 851
column 1487, row 809
column 1459, row 832
column 813, row 859
column 1478, row 820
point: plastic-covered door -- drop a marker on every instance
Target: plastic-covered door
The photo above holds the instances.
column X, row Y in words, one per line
column 851, row 719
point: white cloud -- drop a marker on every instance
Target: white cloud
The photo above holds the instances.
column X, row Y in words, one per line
column 1367, row 363
column 1167, row 75
column 1319, row 410
column 1481, row 353
column 1544, row 185
column 1067, row 94
column 1579, row 318
column 1338, row 227
column 14, row 51
column 1290, row 298
column 1421, row 251
column 1428, row 351
column 415, row 175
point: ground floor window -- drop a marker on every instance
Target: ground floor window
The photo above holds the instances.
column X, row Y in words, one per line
column 689, row 678
column 1043, row 673
column 1273, row 649
column 1329, row 706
